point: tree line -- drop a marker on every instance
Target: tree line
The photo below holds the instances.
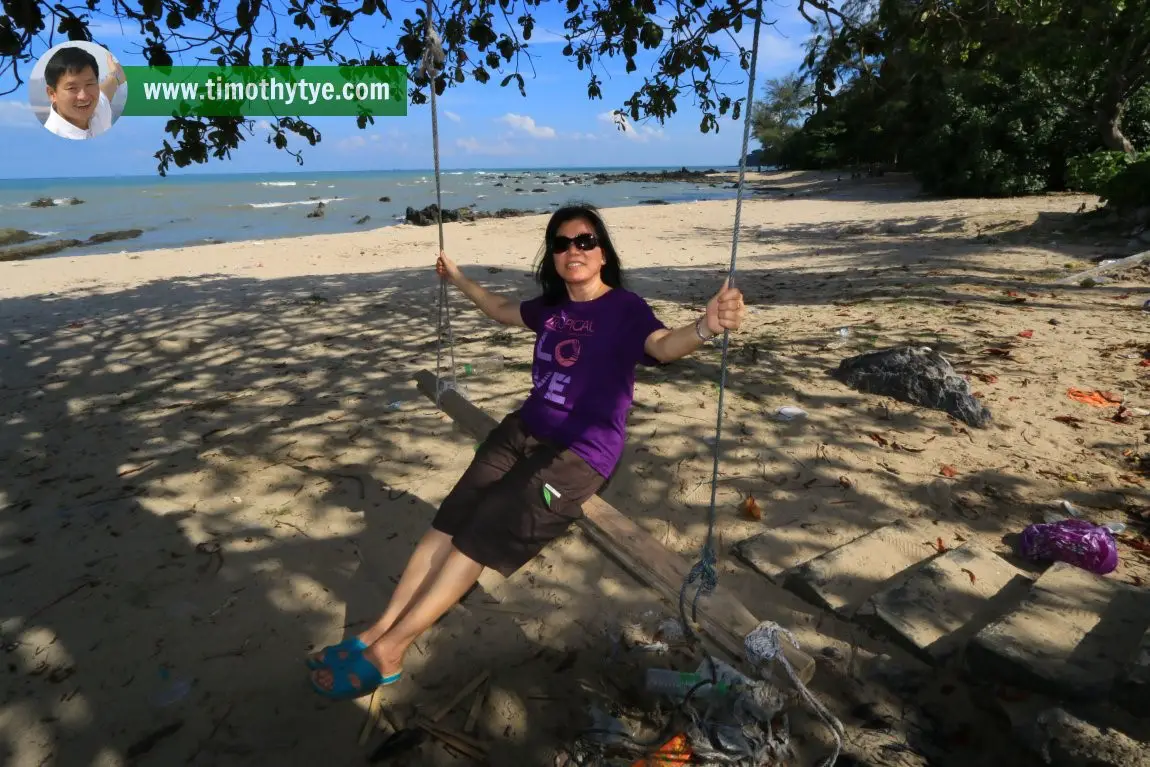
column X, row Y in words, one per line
column 974, row 97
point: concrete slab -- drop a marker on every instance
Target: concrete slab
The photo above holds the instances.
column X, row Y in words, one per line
column 1072, row 636
column 842, row 580
column 779, row 549
column 947, row 601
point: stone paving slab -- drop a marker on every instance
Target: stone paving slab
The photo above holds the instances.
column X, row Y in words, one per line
column 1072, row 636
column 843, row 579
column 947, row 601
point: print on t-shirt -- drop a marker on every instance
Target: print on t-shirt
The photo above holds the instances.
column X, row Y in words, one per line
column 565, row 353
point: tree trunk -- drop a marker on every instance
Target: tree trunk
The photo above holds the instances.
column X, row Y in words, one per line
column 1112, row 136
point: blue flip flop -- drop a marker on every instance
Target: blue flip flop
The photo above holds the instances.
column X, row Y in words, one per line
column 352, row 645
column 369, row 679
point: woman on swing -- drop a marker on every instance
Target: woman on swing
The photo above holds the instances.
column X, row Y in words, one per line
column 530, row 477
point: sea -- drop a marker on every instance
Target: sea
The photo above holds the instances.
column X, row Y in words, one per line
column 204, row 208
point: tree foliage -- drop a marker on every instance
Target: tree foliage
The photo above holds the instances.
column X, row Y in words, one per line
column 988, row 97
column 689, row 42
column 781, row 112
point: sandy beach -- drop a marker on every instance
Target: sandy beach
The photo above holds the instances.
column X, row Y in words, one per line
column 216, row 459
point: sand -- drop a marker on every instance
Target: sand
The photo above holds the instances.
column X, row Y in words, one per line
column 215, row 459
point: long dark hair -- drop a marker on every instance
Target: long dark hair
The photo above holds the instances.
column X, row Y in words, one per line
column 554, row 288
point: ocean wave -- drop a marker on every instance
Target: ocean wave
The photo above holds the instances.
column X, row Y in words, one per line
column 277, row 183
column 294, row 202
column 454, row 173
column 44, row 234
column 480, row 196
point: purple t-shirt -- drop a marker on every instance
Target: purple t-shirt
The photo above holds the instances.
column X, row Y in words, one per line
column 583, row 372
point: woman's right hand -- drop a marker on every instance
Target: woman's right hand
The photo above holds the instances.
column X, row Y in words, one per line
column 446, row 268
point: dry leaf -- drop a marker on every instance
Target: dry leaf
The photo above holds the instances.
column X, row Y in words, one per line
column 1069, row 420
column 906, row 449
column 941, row 546
column 970, row 573
column 987, row 377
column 1026, row 334
column 751, row 508
column 948, row 471
column 879, row 439
column 846, row 483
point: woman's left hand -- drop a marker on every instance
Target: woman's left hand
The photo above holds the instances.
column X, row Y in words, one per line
column 725, row 311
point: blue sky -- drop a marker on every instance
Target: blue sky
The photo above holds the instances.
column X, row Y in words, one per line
column 481, row 126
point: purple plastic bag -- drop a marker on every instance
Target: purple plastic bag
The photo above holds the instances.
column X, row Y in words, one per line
column 1081, row 543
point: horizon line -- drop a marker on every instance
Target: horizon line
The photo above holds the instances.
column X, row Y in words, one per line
column 384, row 170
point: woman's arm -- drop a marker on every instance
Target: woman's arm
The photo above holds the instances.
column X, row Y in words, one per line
column 725, row 311
column 499, row 308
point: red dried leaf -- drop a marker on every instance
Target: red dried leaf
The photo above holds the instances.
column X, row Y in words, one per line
column 948, row 471
column 879, row 439
column 1026, row 334
column 973, row 578
column 1138, row 544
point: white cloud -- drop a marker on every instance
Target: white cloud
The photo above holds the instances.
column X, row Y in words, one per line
column 351, row 143
column 452, row 116
column 527, row 125
column 475, row 146
column 17, row 114
column 623, row 125
column 583, row 136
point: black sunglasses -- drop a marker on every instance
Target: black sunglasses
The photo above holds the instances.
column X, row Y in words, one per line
column 583, row 241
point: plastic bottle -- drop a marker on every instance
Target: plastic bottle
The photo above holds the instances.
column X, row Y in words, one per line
column 481, row 366
column 676, row 684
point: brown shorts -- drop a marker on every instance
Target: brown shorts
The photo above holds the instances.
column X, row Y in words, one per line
column 498, row 513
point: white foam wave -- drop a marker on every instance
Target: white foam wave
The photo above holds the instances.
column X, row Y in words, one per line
column 294, row 202
column 44, row 234
column 277, row 183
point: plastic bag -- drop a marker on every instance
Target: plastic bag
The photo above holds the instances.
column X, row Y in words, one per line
column 1076, row 541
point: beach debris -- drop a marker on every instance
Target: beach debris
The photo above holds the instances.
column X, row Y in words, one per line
column 1095, row 398
column 789, row 413
column 171, row 691
column 751, row 508
column 918, row 375
column 1075, row 541
column 948, row 471
column 1069, row 420
column 1026, row 334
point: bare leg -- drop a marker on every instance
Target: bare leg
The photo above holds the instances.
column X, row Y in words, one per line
column 450, row 582
column 426, row 559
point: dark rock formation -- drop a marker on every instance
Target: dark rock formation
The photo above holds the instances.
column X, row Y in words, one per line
column 427, row 216
column 385, row 199
column 918, row 375
column 119, row 234
column 538, row 189
column 33, row 249
column 653, row 202
column 318, row 212
column 362, row 220
column 16, row 236
column 48, row 202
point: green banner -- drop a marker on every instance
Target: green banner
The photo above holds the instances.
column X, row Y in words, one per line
column 266, row 91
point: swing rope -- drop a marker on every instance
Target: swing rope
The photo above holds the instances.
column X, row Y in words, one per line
column 703, row 571
column 429, row 68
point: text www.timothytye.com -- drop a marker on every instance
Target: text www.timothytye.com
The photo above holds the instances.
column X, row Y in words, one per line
column 268, row 90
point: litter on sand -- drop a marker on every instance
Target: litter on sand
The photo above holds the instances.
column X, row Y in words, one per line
column 1095, row 398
